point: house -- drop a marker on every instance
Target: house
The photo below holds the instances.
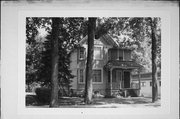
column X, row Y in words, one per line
column 146, row 83
column 112, row 66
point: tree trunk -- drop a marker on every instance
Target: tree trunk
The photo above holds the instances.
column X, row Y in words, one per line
column 89, row 64
column 54, row 63
column 154, row 61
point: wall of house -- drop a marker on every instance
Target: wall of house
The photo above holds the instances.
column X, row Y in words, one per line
column 73, row 67
column 146, row 88
column 97, row 64
column 77, row 64
column 101, row 87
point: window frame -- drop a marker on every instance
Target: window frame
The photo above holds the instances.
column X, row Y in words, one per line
column 79, row 70
column 82, row 58
column 101, row 52
column 143, row 84
column 150, row 84
column 101, row 76
column 101, row 69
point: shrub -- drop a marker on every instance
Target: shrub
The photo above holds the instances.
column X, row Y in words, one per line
column 97, row 94
column 109, row 96
column 31, row 87
column 31, row 100
column 133, row 93
column 43, row 95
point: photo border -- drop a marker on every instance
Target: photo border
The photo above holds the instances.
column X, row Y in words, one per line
column 166, row 71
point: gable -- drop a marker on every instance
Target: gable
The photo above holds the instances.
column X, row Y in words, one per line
column 103, row 40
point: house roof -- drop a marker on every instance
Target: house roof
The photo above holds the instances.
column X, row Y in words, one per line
column 145, row 76
column 105, row 39
column 122, row 64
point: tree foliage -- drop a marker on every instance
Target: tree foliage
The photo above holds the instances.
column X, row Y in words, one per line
column 39, row 48
column 133, row 33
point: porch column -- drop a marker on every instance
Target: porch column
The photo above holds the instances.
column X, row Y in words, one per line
column 139, row 78
column 111, row 81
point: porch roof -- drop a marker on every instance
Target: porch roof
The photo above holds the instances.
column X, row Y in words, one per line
column 121, row 64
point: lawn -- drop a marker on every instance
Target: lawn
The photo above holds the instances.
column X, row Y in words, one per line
column 77, row 102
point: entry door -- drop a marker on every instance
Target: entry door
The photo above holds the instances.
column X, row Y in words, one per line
column 126, row 79
column 119, row 78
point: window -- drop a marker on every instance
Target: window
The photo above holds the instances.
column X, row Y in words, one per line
column 150, row 83
column 81, row 75
column 143, row 84
column 97, row 53
column 97, row 76
column 159, row 83
column 81, row 53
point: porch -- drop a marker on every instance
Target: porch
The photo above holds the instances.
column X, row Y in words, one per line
column 119, row 78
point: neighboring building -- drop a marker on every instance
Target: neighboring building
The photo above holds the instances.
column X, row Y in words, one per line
column 112, row 66
column 146, row 83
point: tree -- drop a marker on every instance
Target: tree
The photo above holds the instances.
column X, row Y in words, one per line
column 71, row 32
column 34, row 47
column 133, row 33
column 89, row 64
column 38, row 49
column 56, row 22
column 153, row 22
column 144, row 36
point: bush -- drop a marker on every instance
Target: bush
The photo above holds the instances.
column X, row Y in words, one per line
column 31, row 100
column 97, row 94
column 43, row 95
column 133, row 93
column 109, row 96
column 31, row 87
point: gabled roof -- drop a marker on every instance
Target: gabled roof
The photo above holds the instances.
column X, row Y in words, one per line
column 105, row 39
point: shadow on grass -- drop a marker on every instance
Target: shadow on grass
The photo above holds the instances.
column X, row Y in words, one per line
column 31, row 100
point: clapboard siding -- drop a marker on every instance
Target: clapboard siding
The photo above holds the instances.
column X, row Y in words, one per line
column 109, row 51
column 73, row 68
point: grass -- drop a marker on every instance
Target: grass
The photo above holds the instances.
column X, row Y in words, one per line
column 77, row 102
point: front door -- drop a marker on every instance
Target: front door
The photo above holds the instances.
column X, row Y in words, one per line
column 119, row 78
column 116, row 79
column 126, row 79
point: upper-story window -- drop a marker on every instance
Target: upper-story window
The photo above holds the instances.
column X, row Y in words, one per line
column 81, row 75
column 97, row 52
column 81, row 53
column 119, row 54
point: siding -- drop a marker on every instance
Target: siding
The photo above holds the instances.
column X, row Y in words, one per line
column 146, row 78
column 73, row 67
column 97, row 64
column 107, row 54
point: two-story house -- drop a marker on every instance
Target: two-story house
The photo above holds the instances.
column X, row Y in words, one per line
column 112, row 66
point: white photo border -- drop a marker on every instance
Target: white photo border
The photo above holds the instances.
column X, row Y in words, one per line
column 169, row 70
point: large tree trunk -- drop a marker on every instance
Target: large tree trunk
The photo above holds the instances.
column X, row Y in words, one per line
column 89, row 64
column 154, row 60
column 55, row 59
